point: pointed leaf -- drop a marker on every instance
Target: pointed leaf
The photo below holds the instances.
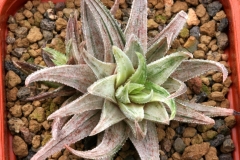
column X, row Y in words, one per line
column 156, row 112
column 111, row 115
column 134, row 112
column 137, row 23
column 207, row 110
column 73, row 35
column 171, row 31
column 100, row 69
column 26, row 68
column 77, row 128
column 82, row 104
column 188, row 115
column 122, row 94
column 58, row 58
column 113, row 140
column 141, row 98
column 176, row 86
column 140, row 75
column 132, row 46
column 115, row 7
column 99, row 23
column 47, row 59
column 193, row 68
column 77, row 76
column 124, row 66
column 147, row 148
column 135, row 88
column 159, row 71
column 139, row 129
column 160, row 94
column 158, row 50
column 104, row 88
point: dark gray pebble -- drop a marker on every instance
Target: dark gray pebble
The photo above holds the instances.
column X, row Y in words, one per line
column 47, row 24
column 223, row 25
column 179, row 145
column 225, row 156
column 217, row 141
column 195, row 31
column 213, row 8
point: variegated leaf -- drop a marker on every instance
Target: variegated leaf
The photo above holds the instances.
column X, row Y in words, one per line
column 176, row 86
column 156, row 112
column 133, row 45
column 158, row 50
column 132, row 111
column 141, row 98
column 159, row 71
column 82, row 104
column 79, row 77
column 198, row 67
column 139, row 129
column 77, row 128
column 100, row 69
column 111, row 114
column 104, row 88
column 124, row 66
column 140, row 75
column 122, row 94
column 148, row 147
column 113, row 139
column 160, row 94
column 137, row 23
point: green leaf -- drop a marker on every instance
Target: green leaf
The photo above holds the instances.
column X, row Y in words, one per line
column 100, row 69
column 141, row 98
column 159, row 71
column 122, row 94
column 58, row 58
column 160, row 94
column 134, row 112
column 140, row 75
column 135, row 88
column 156, row 112
column 124, row 66
column 104, row 88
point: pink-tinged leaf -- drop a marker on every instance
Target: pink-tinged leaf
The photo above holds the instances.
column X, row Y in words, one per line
column 60, row 91
column 171, row 31
column 139, row 129
column 26, row 68
column 134, row 112
column 206, row 110
column 193, row 68
column 74, row 35
column 113, row 140
column 79, row 77
column 77, row 128
column 110, row 115
column 156, row 112
column 115, row 7
column 100, row 69
column 104, row 88
column 148, row 147
column 137, row 23
column 59, row 122
column 99, row 23
column 189, row 115
column 132, row 46
column 158, row 50
column 47, row 59
column 159, row 71
column 175, row 87
column 82, row 104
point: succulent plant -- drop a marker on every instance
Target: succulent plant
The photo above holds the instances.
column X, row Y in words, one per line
column 128, row 84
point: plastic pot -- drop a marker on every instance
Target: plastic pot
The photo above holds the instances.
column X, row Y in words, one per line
column 231, row 8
